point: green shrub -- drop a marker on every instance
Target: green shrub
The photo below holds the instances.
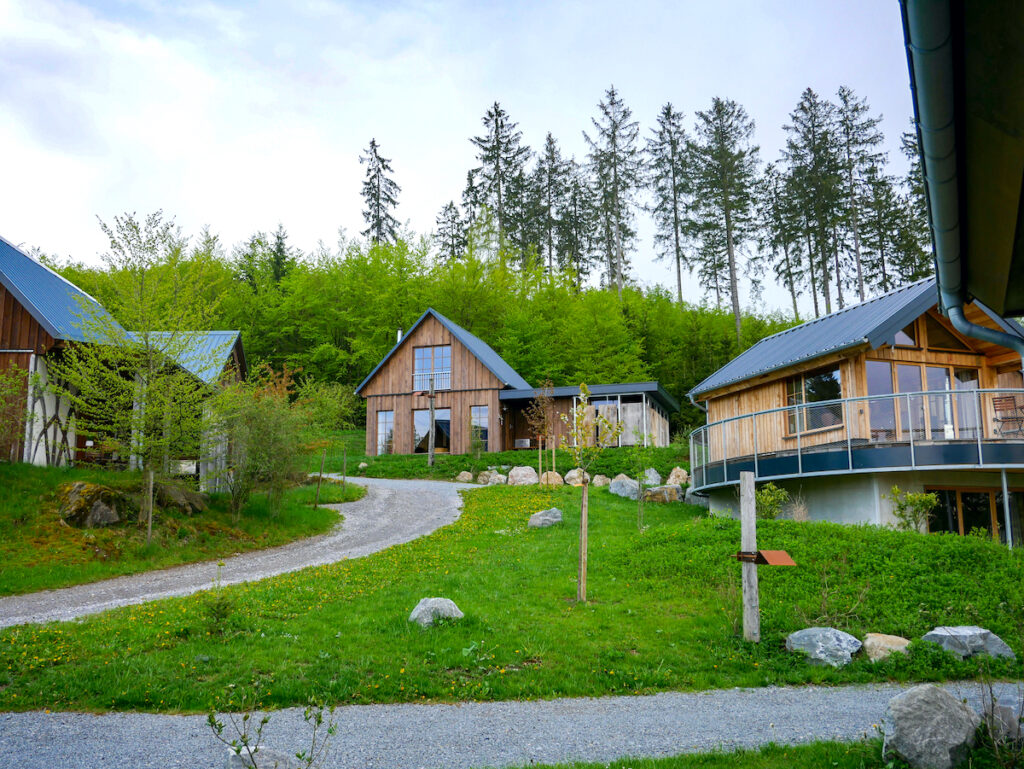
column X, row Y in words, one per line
column 769, row 500
column 913, row 510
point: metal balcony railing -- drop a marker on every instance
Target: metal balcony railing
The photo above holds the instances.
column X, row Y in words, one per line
column 934, row 429
column 442, row 380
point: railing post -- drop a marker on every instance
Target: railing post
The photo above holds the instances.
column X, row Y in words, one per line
column 725, row 455
column 849, row 437
column 981, row 425
column 1006, row 511
column 799, row 447
column 910, row 424
column 756, row 473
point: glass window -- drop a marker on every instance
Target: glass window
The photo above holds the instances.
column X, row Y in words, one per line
column 1016, row 517
column 432, row 361
column 944, row 517
column 909, row 380
column 907, row 337
column 882, row 411
column 967, row 404
column 940, row 407
column 940, row 337
column 385, row 432
column 814, row 387
column 442, row 431
column 479, row 424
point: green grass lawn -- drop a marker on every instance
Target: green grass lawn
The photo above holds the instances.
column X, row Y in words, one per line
column 447, row 466
column 39, row 552
column 664, row 615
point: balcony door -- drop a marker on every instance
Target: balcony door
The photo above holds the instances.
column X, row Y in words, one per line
column 948, row 410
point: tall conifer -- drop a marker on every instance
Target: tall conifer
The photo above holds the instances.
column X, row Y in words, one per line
column 380, row 196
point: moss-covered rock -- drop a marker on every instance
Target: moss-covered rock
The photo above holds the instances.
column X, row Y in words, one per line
column 91, row 505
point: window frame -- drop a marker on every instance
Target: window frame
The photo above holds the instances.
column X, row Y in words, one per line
column 391, row 419
column 435, row 357
column 473, row 426
column 796, row 411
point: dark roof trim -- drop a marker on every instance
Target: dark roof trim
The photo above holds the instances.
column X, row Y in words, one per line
column 480, row 350
column 653, row 389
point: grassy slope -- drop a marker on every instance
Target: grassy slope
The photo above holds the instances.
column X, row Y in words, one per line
column 663, row 615
column 447, row 466
column 39, row 552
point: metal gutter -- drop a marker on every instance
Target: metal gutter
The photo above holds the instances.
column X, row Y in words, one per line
column 928, row 34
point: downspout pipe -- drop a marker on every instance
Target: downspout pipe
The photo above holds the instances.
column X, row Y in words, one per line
column 927, row 31
column 694, row 402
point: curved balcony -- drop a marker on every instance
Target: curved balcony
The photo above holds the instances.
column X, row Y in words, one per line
column 948, row 429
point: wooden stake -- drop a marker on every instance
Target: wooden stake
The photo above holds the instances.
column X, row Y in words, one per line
column 319, row 479
column 344, row 470
column 748, row 544
column 581, row 584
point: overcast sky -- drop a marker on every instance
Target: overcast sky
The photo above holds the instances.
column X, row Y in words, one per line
column 241, row 115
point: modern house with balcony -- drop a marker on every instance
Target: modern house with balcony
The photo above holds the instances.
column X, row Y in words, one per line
column 840, row 409
column 478, row 397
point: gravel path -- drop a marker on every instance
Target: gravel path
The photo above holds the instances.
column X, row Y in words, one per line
column 472, row 734
column 392, row 512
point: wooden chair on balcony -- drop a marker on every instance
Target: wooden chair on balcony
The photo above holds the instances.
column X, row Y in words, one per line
column 1009, row 420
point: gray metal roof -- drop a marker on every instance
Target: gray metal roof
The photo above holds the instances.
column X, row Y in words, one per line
column 57, row 305
column 480, row 349
column 653, row 389
column 874, row 322
column 202, row 353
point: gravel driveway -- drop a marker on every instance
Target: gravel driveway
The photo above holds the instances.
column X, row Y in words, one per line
column 469, row 735
column 392, row 512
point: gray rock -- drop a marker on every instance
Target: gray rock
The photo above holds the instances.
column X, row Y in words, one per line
column 429, row 610
column 929, row 728
column 545, row 518
column 575, row 477
column 624, row 487
column 464, row 477
column 484, row 477
column 497, row 479
column 600, row 480
column 265, row 759
column 968, row 641
column 1002, row 716
column 664, row 494
column 824, row 645
column 652, row 477
column 174, row 495
column 693, row 498
column 90, row 505
column 524, row 475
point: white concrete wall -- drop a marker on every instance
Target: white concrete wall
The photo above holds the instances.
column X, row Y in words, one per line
column 42, row 435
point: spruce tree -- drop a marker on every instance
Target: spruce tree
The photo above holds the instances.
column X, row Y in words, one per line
column 780, row 231
column 280, row 256
column 859, row 139
column 472, row 197
column 882, row 224
column 451, row 232
column 576, row 225
column 380, row 195
column 549, row 183
column 724, row 173
column 914, row 255
column 669, row 178
column 617, row 165
column 503, row 159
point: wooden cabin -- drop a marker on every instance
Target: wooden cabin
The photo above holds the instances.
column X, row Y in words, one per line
column 42, row 314
column 478, row 396
column 841, row 408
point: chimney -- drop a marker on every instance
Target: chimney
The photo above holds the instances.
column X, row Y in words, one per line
column 399, row 339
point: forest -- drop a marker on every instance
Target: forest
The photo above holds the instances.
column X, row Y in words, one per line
column 535, row 259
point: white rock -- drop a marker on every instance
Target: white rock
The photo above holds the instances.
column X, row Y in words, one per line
column 552, row 479
column 429, row 610
column 575, row 477
column 363, row 465
column 824, row 645
column 464, row 477
column 678, row 477
column 497, row 479
column 484, row 477
column 600, row 480
column 524, row 475
column 878, row 646
column 968, row 641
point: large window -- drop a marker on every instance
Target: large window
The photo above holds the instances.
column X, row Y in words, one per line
column 479, row 425
column 385, row 432
column 951, row 415
column 814, row 387
column 433, row 362
column 962, row 511
column 442, row 430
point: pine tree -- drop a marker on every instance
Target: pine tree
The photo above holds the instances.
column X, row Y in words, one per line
column 618, row 170
column 380, row 195
column 451, row 232
column 780, row 231
column 502, row 158
column 859, row 139
column 549, row 182
column 724, row 173
column 669, row 176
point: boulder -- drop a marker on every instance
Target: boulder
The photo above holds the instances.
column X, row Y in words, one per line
column 551, row 478
column 600, row 480
column 464, row 477
column 652, row 477
column 878, row 646
column 575, row 477
column 929, row 728
column 484, row 477
column 624, row 486
column 678, row 477
column 524, row 475
column 430, row 610
column 497, row 479
column 265, row 759
column 363, row 466
column 181, row 498
column 1002, row 716
column 664, row 494
column 545, row 518
column 969, row 641
column 691, row 497
column 824, row 645
column 90, row 505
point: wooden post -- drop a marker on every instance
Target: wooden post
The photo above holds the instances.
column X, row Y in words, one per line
column 430, row 437
column 320, row 478
column 581, row 583
column 344, row 470
column 748, row 544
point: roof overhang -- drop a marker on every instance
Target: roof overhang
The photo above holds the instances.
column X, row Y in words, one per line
column 653, row 390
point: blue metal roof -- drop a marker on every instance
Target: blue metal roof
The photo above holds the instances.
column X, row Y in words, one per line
column 874, row 322
column 203, row 353
column 58, row 305
column 653, row 390
column 480, row 349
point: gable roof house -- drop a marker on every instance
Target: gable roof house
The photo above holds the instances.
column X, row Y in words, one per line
column 479, row 396
column 887, row 392
column 41, row 314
